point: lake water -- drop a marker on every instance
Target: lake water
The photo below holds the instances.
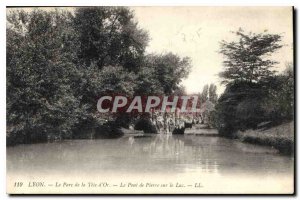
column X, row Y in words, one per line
column 218, row 165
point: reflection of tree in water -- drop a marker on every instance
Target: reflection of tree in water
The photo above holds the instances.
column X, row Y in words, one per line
column 161, row 153
column 179, row 152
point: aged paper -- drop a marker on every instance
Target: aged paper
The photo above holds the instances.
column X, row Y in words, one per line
column 150, row 100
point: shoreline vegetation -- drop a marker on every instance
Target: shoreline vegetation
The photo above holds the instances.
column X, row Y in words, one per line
column 59, row 63
column 280, row 137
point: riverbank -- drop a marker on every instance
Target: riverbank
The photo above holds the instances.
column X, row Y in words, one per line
column 279, row 137
column 201, row 130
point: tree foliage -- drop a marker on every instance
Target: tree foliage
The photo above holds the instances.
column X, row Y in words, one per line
column 212, row 92
column 248, row 58
column 254, row 92
column 60, row 62
column 40, row 72
column 169, row 70
column 109, row 36
column 279, row 103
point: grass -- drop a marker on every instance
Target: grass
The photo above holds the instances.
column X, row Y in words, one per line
column 280, row 137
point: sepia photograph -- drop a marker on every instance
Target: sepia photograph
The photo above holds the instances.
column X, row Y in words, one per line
column 150, row 100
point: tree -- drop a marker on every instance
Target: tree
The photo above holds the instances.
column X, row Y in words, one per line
column 109, row 42
column 204, row 94
column 40, row 75
column 212, row 91
column 168, row 70
column 248, row 74
column 240, row 107
column 180, row 91
column 279, row 103
column 59, row 63
column 109, row 36
column 248, row 58
column 147, row 83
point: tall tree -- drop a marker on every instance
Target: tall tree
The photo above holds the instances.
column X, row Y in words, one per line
column 204, row 94
column 108, row 39
column 250, row 82
column 40, row 75
column 109, row 36
column 213, row 97
column 168, row 70
column 248, row 58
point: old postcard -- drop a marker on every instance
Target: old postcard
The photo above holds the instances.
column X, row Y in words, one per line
column 150, row 100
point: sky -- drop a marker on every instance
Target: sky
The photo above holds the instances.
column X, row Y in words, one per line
column 196, row 32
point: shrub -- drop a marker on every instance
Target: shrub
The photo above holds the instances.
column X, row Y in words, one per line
column 145, row 125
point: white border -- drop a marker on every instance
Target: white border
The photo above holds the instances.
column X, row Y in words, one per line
column 5, row 3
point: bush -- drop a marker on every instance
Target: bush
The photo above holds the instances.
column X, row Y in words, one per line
column 108, row 130
column 244, row 105
column 145, row 125
column 85, row 129
column 239, row 108
column 123, row 120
